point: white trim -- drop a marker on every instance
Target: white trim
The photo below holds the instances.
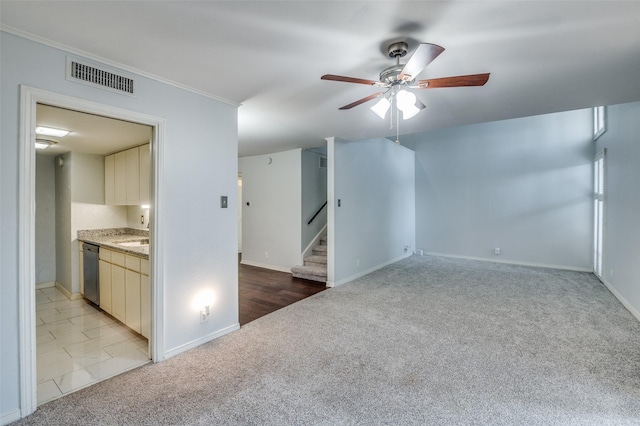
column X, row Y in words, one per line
column 10, row 417
column 26, row 255
column 599, row 112
column 266, row 266
column 67, row 293
column 512, row 262
column 105, row 61
column 306, row 252
column 622, row 300
column 370, row 270
column 331, row 212
column 202, row 340
column 48, row 284
column 29, row 97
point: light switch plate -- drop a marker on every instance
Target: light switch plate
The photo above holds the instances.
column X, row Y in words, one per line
column 223, row 201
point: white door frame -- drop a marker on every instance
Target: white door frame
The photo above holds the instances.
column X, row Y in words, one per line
column 29, row 97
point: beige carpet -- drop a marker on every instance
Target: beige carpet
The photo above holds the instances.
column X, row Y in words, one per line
column 428, row 340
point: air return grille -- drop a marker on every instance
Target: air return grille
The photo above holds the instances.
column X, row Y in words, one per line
column 100, row 77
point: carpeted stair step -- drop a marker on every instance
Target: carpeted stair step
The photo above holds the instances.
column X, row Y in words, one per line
column 320, row 250
column 312, row 273
column 316, row 260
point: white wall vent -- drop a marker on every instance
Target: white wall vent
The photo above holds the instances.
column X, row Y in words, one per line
column 99, row 76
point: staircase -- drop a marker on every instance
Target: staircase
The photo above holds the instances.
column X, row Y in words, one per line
column 315, row 266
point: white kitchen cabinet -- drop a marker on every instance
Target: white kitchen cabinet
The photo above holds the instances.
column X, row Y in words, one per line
column 109, row 180
column 81, row 263
column 125, row 289
column 118, row 292
column 132, row 300
column 105, row 284
column 145, row 299
column 145, row 173
column 120, row 178
column 145, row 306
column 133, row 176
column 127, row 177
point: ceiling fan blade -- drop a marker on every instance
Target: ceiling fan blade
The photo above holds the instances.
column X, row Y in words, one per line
column 458, row 81
column 363, row 100
column 351, row 80
column 423, row 56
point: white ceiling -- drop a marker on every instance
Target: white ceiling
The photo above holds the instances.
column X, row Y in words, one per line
column 269, row 56
column 91, row 134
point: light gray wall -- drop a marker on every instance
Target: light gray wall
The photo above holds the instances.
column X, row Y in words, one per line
column 64, row 273
column 522, row 185
column 621, row 264
column 45, row 219
column 199, row 238
column 271, row 224
column 314, row 194
column 87, row 178
column 375, row 183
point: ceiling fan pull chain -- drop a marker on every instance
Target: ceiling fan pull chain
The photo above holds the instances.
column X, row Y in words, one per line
column 391, row 116
column 397, row 126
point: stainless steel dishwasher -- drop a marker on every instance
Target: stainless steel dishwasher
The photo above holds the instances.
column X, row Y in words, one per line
column 91, row 276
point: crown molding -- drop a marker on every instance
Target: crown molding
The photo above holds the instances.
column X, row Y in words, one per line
column 68, row 49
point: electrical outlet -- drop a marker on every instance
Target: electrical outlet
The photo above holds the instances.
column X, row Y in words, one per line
column 266, row 254
column 142, row 219
column 407, row 247
column 204, row 313
column 496, row 250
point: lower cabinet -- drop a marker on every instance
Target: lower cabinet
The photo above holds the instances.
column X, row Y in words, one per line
column 132, row 297
column 81, row 263
column 105, row 285
column 117, row 292
column 125, row 289
column 145, row 300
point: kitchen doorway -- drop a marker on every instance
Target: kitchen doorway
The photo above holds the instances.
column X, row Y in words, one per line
column 78, row 342
column 30, row 98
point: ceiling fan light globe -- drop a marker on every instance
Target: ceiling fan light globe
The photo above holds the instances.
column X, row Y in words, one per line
column 410, row 112
column 381, row 107
column 406, row 101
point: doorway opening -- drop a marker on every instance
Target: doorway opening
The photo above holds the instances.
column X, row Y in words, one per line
column 79, row 339
column 28, row 321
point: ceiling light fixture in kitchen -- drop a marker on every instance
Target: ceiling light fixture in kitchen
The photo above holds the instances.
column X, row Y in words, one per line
column 44, row 143
column 50, row 131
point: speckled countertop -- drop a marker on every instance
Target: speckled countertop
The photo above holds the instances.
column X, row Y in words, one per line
column 110, row 237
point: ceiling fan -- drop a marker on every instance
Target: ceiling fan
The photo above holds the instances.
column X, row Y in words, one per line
column 397, row 78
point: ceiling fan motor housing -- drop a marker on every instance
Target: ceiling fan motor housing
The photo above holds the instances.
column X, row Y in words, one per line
column 398, row 50
column 390, row 75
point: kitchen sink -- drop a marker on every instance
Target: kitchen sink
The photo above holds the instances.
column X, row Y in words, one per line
column 134, row 243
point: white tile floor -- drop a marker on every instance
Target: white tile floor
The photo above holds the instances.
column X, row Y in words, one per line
column 78, row 345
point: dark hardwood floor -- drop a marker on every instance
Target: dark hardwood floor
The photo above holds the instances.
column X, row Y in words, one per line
column 262, row 291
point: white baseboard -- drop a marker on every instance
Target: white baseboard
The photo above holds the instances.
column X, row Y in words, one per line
column 511, row 262
column 70, row 296
column 367, row 271
column 202, row 340
column 622, row 300
column 10, row 417
column 40, row 286
column 265, row 266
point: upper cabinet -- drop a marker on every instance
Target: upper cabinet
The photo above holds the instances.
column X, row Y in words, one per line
column 126, row 177
column 145, row 173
